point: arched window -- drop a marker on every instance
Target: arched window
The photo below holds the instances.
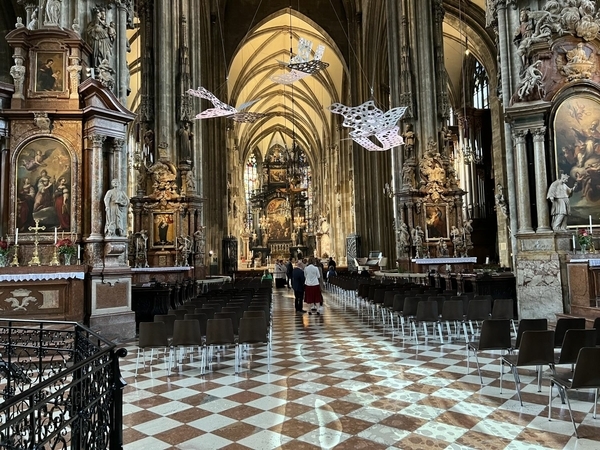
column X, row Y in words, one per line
column 481, row 87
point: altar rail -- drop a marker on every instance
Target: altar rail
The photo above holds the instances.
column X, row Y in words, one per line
column 61, row 386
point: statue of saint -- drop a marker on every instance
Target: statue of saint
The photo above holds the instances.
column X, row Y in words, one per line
column 558, row 194
column 116, row 203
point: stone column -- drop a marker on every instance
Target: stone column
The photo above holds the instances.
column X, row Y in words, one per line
column 123, row 70
column 539, row 151
column 524, row 213
column 119, row 163
column 96, row 190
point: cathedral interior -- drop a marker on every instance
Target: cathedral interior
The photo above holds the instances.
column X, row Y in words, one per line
column 175, row 142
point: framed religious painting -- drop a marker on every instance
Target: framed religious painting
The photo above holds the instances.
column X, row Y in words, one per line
column 577, row 153
column 49, row 72
column 436, row 221
column 277, row 175
column 44, row 176
column 163, row 229
column 279, row 220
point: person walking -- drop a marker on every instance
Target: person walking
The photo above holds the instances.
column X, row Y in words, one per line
column 298, row 281
column 312, row 291
column 289, row 268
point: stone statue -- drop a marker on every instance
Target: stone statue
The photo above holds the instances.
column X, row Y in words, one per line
column 52, row 16
column 558, row 194
column 442, row 248
column 408, row 176
column 19, row 23
column 403, row 239
column 457, row 241
column 531, row 80
column 523, row 34
column 18, row 73
column 141, row 249
column 417, row 238
column 185, row 136
column 409, row 141
column 32, row 25
column 106, row 75
column 501, row 204
column 116, row 203
column 99, row 36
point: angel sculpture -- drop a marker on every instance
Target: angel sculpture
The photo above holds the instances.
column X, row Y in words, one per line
column 223, row 109
column 301, row 66
column 368, row 120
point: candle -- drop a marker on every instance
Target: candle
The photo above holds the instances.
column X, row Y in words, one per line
column 79, row 252
column 573, row 242
column 16, row 236
column 590, row 224
column 487, row 259
column 55, row 235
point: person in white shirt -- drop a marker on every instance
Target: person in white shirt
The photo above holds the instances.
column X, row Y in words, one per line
column 312, row 292
column 279, row 274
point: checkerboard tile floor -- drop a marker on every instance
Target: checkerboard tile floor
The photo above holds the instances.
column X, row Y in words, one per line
column 339, row 381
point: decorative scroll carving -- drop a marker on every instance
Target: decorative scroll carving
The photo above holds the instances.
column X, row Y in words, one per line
column 42, row 121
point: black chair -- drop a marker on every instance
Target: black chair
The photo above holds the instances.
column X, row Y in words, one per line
column 536, row 349
column 495, row 335
column 219, row 332
column 574, row 341
column 253, row 331
column 529, row 325
column 168, row 320
column 503, row 308
column 427, row 312
column 186, row 334
column 585, row 376
column 452, row 311
column 152, row 335
column 567, row 323
column 478, row 311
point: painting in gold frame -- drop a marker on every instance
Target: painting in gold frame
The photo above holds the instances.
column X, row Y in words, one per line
column 44, row 186
column 50, row 72
column 577, row 153
column 163, row 226
column 436, row 222
column 279, row 229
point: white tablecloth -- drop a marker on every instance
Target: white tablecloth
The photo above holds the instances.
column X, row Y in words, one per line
column 43, row 276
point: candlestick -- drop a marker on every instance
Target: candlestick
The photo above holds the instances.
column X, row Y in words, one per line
column 15, row 260
column 78, row 253
column 54, row 261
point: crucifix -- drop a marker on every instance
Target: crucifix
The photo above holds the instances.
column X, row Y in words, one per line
column 35, row 258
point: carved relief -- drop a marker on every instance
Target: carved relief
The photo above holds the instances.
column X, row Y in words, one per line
column 576, row 64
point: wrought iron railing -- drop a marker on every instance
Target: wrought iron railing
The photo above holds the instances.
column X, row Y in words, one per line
column 61, row 387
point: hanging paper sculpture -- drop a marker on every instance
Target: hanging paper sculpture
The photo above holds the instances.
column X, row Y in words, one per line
column 368, row 120
column 224, row 110
column 300, row 65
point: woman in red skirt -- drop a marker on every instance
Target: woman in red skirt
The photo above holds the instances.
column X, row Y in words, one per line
column 312, row 291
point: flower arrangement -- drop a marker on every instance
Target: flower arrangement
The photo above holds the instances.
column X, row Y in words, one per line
column 4, row 247
column 65, row 247
column 584, row 238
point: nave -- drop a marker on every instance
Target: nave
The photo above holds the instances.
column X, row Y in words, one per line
column 340, row 381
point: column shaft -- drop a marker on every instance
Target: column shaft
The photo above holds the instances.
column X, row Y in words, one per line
column 523, row 198
column 97, row 189
column 541, row 179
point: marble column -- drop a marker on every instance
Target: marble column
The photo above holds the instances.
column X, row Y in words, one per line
column 524, row 213
column 541, row 186
column 96, row 189
column 119, row 163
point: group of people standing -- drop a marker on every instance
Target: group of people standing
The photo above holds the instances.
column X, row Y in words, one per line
column 306, row 278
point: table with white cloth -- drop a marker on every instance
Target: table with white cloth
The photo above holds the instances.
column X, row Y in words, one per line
column 43, row 292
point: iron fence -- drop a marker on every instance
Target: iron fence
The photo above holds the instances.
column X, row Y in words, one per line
column 61, row 387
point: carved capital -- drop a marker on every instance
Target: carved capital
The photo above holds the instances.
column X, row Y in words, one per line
column 118, row 144
column 539, row 134
column 97, row 140
column 519, row 136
